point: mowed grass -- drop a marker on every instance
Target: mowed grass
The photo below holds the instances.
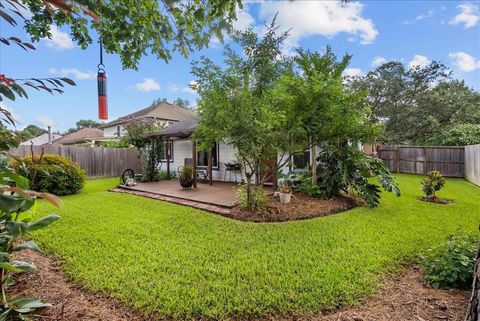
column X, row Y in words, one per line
column 180, row 262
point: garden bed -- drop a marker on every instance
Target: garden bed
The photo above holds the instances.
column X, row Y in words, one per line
column 300, row 207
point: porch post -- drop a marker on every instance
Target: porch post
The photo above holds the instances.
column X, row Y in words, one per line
column 167, row 155
column 194, row 157
column 210, row 179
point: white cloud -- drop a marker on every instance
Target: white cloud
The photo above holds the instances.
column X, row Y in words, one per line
column 148, row 84
column 14, row 115
column 45, row 121
column 469, row 15
column 244, row 19
column 464, row 61
column 353, row 72
column 77, row 74
column 418, row 60
column 378, row 61
column 325, row 18
column 426, row 15
column 186, row 89
column 60, row 40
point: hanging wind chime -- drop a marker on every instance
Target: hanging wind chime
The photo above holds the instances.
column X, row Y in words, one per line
column 102, row 87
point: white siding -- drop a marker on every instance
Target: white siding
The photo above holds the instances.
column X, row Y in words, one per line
column 183, row 149
column 112, row 131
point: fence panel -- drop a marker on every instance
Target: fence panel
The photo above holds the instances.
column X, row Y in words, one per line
column 472, row 163
column 450, row 161
column 96, row 161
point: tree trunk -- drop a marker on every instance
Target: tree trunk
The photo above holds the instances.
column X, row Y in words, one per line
column 473, row 311
column 313, row 164
column 249, row 175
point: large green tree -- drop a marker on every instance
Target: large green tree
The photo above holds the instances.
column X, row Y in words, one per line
column 414, row 104
column 237, row 102
column 30, row 132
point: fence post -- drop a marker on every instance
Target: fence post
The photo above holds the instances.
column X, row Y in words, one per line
column 397, row 159
column 424, row 160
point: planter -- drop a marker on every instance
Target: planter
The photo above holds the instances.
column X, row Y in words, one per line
column 186, row 183
column 285, row 198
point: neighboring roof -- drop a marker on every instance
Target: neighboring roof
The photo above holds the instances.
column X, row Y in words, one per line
column 182, row 129
column 162, row 110
column 80, row 136
column 40, row 140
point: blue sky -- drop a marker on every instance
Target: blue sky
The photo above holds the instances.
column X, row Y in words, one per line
column 414, row 32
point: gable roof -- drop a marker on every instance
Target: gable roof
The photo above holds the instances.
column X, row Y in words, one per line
column 41, row 140
column 183, row 129
column 162, row 110
column 80, row 136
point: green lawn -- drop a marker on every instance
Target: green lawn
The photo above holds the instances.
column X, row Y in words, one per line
column 179, row 262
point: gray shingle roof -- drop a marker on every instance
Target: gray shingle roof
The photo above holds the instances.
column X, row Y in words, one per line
column 162, row 110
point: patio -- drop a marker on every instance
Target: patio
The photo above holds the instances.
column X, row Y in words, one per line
column 217, row 197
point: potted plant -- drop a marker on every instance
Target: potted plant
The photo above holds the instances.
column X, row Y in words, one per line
column 284, row 193
column 186, row 177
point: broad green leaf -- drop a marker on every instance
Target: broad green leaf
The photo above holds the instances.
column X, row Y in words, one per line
column 41, row 223
column 31, row 245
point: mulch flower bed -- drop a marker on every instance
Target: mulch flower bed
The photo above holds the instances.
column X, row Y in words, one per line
column 436, row 200
column 300, row 207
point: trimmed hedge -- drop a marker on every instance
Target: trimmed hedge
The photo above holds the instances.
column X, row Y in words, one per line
column 54, row 174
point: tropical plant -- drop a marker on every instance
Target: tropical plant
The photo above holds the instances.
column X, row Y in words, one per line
column 17, row 206
column 50, row 173
column 432, row 183
column 452, row 263
column 152, row 156
column 342, row 167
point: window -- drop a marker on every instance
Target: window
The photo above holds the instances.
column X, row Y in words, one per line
column 301, row 161
column 118, row 131
column 164, row 155
column 202, row 157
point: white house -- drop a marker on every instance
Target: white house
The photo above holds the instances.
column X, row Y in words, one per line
column 225, row 166
column 164, row 113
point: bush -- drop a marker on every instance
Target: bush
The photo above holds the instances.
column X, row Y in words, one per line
column 432, row 182
column 163, row 175
column 451, row 264
column 51, row 173
column 258, row 201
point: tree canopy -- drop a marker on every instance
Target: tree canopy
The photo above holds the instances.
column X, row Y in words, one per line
column 269, row 106
column 133, row 28
column 419, row 103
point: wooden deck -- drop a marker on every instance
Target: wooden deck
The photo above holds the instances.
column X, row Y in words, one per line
column 219, row 194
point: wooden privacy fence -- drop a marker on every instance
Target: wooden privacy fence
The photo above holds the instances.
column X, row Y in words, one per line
column 450, row 161
column 96, row 161
column 472, row 163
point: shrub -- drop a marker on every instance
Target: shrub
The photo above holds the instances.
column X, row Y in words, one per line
column 163, row 175
column 51, row 173
column 451, row 264
column 258, row 198
column 432, row 182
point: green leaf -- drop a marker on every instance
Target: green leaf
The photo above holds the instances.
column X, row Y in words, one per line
column 29, row 305
column 31, row 245
column 9, row 203
column 17, row 266
column 43, row 222
column 14, row 229
column 68, row 81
